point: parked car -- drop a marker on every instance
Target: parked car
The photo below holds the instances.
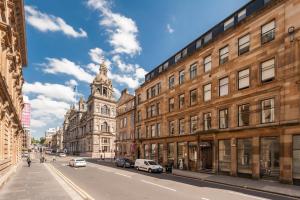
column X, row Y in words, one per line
column 77, row 162
column 124, row 162
column 148, row 165
column 61, row 154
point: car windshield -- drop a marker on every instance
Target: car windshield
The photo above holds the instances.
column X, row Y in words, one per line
column 80, row 160
column 152, row 163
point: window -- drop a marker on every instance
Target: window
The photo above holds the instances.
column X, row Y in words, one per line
column 153, row 151
column 207, row 92
column 198, row 44
column 148, row 131
column 184, row 52
column 224, row 155
column 171, row 82
column 139, row 99
column 242, row 14
column 181, row 126
column 268, row 32
column 148, row 111
column 171, row 152
column 193, row 124
column 139, row 116
column 171, row 104
column 181, row 77
column 296, row 157
column 160, row 154
column 181, row 101
column 193, row 97
column 207, row 37
column 267, row 111
column 244, row 115
column 177, row 57
column 193, row 71
column 153, row 131
column 182, row 153
column 244, row 44
column 158, row 109
column 158, row 129
column 153, row 110
column 160, row 68
column 229, row 23
column 166, row 65
column 206, row 121
column 223, row 87
column 224, row 53
column 244, row 153
column 171, row 127
column 244, row 80
column 268, row 70
column 207, row 63
column 223, row 118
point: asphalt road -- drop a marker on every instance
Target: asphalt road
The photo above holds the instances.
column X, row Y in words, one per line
column 106, row 182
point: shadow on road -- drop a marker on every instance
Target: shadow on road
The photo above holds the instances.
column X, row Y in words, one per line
column 191, row 181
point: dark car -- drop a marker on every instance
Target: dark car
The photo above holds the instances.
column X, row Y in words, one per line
column 124, row 162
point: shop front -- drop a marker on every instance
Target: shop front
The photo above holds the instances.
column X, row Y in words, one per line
column 170, row 153
column 296, row 160
column 206, row 157
column 160, row 154
column 244, row 156
column 193, row 156
column 182, row 155
column 269, row 157
column 153, row 152
column 224, row 156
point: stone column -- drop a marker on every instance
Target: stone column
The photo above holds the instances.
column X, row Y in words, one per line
column 255, row 158
column 165, row 153
column 175, row 155
column 233, row 143
column 286, row 157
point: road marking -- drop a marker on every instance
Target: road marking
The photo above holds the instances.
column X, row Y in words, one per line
column 246, row 195
column 81, row 192
column 204, row 198
column 158, row 185
column 123, row 175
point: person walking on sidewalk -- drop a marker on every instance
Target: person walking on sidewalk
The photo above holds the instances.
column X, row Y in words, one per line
column 28, row 161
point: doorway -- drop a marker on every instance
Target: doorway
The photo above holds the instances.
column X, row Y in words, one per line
column 206, row 155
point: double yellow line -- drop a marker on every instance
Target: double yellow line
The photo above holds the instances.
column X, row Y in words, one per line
column 80, row 191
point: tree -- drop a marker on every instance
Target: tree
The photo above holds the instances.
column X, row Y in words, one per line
column 42, row 140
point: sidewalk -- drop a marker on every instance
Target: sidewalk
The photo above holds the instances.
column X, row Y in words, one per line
column 34, row 183
column 259, row 185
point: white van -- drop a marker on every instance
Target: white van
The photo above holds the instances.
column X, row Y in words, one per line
column 148, row 165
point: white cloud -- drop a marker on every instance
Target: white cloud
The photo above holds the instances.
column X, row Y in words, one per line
column 71, row 83
column 35, row 123
column 117, row 93
column 45, row 22
column 45, row 109
column 122, row 30
column 124, row 67
column 128, row 80
column 170, row 29
column 97, row 55
column 140, row 73
column 54, row 91
column 65, row 66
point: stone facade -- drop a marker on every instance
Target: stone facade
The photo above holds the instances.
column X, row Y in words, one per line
column 229, row 102
column 89, row 130
column 12, row 60
column 125, row 145
column 57, row 141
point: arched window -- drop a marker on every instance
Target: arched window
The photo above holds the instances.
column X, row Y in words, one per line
column 104, row 127
column 104, row 91
column 105, row 110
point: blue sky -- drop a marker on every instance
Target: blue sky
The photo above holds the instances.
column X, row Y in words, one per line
column 67, row 39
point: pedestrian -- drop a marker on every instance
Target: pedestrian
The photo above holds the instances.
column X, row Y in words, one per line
column 28, row 161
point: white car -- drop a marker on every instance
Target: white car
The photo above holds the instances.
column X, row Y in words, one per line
column 62, row 155
column 148, row 165
column 77, row 162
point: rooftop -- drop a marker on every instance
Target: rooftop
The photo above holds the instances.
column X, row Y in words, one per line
column 208, row 37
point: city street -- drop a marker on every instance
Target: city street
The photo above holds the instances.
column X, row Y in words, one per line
column 106, row 182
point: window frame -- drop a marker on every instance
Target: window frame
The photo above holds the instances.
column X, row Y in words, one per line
column 239, row 45
column 272, row 108
column 220, row 55
column 193, row 73
column 206, row 63
column 224, row 85
column 272, row 30
column 238, row 79
column 173, row 108
column 204, row 120
column 179, row 100
column 173, row 82
column 261, row 71
column 191, row 91
column 227, row 118
column 204, row 92
column 181, row 76
column 249, row 113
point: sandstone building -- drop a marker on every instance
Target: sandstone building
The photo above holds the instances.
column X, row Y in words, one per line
column 229, row 102
column 89, row 128
column 125, row 146
column 13, row 58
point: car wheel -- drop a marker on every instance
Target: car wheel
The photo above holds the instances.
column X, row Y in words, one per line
column 150, row 170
